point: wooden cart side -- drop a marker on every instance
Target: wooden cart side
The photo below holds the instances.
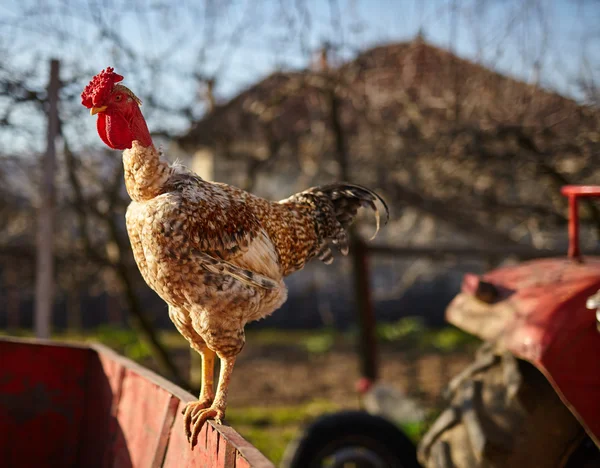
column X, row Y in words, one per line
column 79, row 405
column 149, row 415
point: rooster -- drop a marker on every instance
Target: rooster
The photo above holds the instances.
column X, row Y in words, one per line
column 217, row 255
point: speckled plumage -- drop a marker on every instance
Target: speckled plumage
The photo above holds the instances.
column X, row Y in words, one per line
column 216, row 254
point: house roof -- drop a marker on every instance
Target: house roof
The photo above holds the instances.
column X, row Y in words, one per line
column 433, row 130
column 284, row 105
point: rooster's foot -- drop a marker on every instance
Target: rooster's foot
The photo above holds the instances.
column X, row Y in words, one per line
column 202, row 403
column 195, row 415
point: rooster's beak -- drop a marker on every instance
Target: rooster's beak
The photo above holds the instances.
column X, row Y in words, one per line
column 95, row 110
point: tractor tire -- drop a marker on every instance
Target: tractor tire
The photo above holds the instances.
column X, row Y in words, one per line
column 351, row 438
column 502, row 413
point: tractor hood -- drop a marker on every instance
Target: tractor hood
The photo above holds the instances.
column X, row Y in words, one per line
column 537, row 310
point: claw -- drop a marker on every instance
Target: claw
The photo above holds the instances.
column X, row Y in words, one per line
column 190, row 414
column 201, row 417
column 195, row 415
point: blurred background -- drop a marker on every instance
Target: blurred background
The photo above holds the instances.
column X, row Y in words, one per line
column 467, row 116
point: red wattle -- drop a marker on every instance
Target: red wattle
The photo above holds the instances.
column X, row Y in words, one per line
column 140, row 129
column 118, row 131
column 101, row 127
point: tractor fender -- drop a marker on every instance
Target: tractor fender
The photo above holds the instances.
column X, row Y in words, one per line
column 537, row 311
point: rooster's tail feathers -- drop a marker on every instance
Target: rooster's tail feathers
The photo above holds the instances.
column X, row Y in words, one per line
column 335, row 208
column 348, row 198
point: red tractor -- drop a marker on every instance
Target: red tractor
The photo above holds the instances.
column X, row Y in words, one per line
column 531, row 398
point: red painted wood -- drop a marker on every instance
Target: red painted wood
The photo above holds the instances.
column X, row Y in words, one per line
column 141, row 411
column 241, row 462
column 165, row 434
column 66, row 405
column 100, row 426
column 218, row 446
column 213, row 442
column 178, row 451
column 244, row 448
column 42, row 392
column 113, row 371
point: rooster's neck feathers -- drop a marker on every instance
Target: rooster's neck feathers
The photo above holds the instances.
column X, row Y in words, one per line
column 146, row 174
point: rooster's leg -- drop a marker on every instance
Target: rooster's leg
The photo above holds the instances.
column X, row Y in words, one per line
column 198, row 415
column 207, row 392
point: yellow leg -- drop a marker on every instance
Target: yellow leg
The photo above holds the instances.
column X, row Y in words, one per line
column 220, row 402
column 196, row 415
column 207, row 392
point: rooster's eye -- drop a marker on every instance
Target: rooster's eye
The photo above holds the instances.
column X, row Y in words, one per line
column 118, row 97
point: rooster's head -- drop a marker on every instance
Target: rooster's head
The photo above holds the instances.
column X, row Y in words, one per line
column 120, row 121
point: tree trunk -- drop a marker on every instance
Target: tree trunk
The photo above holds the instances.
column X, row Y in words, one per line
column 44, row 283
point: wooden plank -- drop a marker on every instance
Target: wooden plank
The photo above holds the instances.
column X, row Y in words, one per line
column 165, row 433
column 91, row 407
column 107, row 353
column 244, row 448
column 114, row 373
column 179, row 453
column 241, row 462
column 218, row 446
column 99, row 428
column 141, row 414
column 41, row 393
column 213, row 443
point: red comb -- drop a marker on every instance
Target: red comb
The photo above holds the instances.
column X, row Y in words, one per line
column 96, row 92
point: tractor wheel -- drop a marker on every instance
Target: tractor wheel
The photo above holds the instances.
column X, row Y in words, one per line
column 351, row 439
column 502, row 413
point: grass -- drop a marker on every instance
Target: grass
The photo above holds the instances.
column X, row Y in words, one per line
column 412, row 332
column 406, row 332
column 270, row 429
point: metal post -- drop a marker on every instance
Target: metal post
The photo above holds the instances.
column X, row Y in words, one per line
column 44, row 287
column 367, row 340
column 366, row 313
column 573, row 227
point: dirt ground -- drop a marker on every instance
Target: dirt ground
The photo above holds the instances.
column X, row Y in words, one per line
column 287, row 375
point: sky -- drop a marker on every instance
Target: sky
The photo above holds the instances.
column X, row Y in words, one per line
column 484, row 38
column 160, row 46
